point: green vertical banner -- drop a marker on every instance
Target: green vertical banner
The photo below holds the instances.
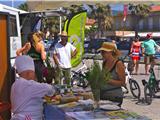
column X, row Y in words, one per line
column 65, row 25
column 75, row 30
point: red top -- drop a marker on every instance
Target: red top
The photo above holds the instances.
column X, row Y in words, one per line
column 135, row 48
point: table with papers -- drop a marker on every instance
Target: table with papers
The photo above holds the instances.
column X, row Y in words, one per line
column 83, row 109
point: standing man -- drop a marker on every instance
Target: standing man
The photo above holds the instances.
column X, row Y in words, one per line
column 149, row 47
column 62, row 55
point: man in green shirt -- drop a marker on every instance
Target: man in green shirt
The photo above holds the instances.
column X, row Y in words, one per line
column 149, row 47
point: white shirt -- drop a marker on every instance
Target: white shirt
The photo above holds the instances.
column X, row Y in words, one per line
column 64, row 54
column 26, row 98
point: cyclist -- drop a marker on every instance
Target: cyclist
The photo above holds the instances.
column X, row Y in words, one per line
column 149, row 47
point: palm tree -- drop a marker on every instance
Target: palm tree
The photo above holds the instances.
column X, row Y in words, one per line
column 102, row 14
column 140, row 11
column 23, row 6
column 71, row 10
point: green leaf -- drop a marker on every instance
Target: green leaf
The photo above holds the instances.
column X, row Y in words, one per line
column 97, row 77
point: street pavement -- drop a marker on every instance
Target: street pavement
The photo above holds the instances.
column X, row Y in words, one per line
column 131, row 104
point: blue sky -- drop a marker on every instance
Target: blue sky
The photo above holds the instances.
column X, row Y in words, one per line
column 117, row 7
column 16, row 3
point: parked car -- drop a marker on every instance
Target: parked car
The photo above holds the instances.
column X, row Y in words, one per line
column 124, row 45
column 86, row 46
column 95, row 44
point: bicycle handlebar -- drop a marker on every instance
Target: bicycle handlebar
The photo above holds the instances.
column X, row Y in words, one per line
column 123, row 58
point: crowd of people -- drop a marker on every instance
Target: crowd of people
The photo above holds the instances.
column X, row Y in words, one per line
column 29, row 88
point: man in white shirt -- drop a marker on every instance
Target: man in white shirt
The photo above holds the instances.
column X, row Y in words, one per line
column 63, row 53
column 26, row 93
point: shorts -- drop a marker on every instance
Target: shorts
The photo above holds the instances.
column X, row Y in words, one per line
column 149, row 58
column 137, row 58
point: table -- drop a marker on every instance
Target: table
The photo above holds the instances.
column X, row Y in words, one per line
column 82, row 112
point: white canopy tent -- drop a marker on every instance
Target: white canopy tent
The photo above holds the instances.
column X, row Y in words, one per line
column 143, row 34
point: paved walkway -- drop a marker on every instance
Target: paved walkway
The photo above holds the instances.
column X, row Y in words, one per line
column 151, row 111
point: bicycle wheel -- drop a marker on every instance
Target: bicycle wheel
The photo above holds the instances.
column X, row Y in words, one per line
column 157, row 86
column 134, row 88
column 79, row 80
column 147, row 94
column 74, row 79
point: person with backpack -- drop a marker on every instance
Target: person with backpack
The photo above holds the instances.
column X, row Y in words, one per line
column 112, row 89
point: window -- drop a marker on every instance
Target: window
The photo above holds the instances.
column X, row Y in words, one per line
column 150, row 23
column 13, row 26
column 141, row 24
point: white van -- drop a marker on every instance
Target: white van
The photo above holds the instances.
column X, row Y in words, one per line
column 14, row 29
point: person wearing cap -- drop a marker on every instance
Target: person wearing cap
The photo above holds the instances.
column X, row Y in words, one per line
column 112, row 89
column 62, row 55
column 27, row 93
column 135, row 51
column 149, row 47
column 35, row 49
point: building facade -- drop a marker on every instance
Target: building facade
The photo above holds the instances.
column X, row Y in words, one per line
column 151, row 23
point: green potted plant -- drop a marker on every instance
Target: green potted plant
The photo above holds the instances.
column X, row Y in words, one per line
column 97, row 77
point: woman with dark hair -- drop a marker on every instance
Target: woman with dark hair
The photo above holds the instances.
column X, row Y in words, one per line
column 135, row 53
column 35, row 49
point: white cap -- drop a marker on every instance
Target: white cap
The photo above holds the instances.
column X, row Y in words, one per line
column 24, row 63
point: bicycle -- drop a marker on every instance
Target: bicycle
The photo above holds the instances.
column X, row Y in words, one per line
column 151, row 87
column 133, row 85
column 78, row 76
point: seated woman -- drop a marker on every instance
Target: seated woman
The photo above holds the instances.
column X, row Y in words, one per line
column 112, row 89
column 35, row 49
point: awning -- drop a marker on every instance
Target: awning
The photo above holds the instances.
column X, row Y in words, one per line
column 143, row 34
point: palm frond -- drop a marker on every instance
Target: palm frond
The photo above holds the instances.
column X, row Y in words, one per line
column 97, row 77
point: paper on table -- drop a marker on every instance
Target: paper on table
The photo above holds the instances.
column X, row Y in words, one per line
column 86, row 102
column 88, row 115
